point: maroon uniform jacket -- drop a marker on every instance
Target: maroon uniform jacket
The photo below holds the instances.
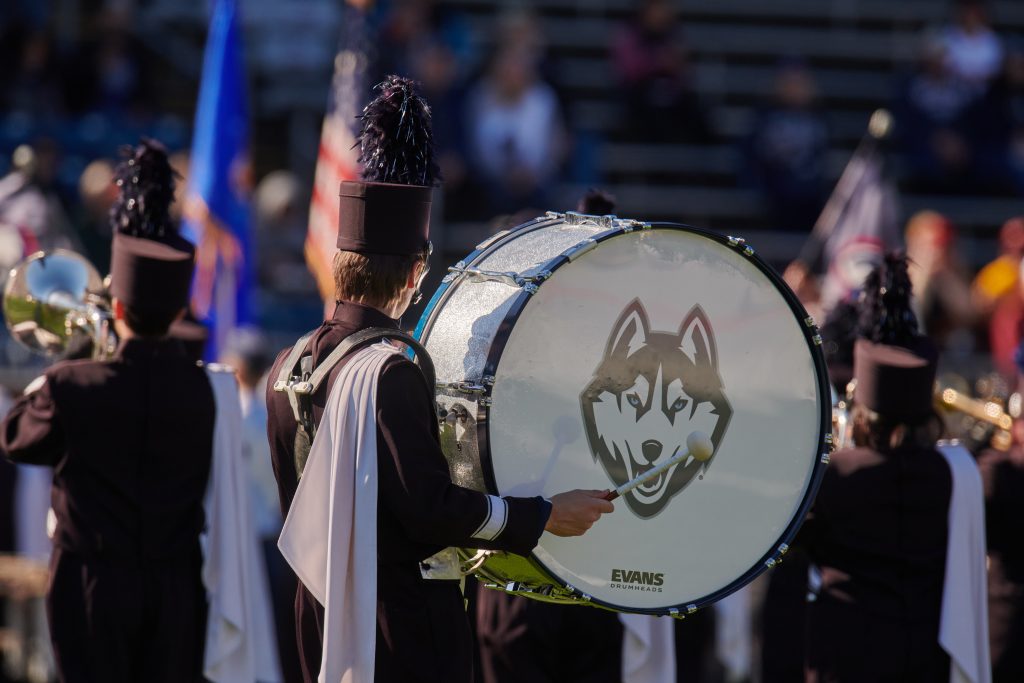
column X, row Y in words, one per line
column 422, row 629
column 130, row 441
column 878, row 533
column 1003, row 476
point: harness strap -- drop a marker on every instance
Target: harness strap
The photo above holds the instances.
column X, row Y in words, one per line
column 362, row 338
column 300, row 381
column 285, row 376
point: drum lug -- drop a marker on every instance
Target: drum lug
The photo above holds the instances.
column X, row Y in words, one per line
column 783, row 549
column 674, row 613
column 809, row 321
column 629, row 225
column 741, row 244
column 486, row 401
column 825, row 458
column 816, row 339
column 691, row 608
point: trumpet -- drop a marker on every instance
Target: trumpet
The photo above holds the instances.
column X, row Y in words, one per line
column 980, row 410
column 55, row 301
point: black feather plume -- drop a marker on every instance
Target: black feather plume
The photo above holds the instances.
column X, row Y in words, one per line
column 396, row 143
column 596, row 203
column 886, row 316
column 145, row 183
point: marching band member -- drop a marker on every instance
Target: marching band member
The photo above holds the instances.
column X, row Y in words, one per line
column 137, row 442
column 1003, row 475
column 375, row 500
column 897, row 530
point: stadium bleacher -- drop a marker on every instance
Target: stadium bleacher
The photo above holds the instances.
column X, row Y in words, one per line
column 856, row 50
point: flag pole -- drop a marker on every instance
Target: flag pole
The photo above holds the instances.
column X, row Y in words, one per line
column 879, row 127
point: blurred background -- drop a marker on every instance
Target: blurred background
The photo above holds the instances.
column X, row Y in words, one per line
column 738, row 115
column 743, row 116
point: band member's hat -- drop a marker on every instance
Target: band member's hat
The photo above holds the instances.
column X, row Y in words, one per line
column 150, row 263
column 384, row 218
column 387, row 211
column 893, row 381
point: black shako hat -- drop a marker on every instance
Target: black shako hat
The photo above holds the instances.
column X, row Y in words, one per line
column 894, row 381
column 388, row 210
column 893, row 363
column 150, row 263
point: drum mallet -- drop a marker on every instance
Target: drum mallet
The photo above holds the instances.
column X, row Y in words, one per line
column 697, row 444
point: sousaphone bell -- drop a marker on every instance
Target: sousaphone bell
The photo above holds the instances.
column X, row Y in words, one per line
column 54, row 302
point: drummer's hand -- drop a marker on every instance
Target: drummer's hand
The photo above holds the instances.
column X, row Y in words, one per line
column 573, row 512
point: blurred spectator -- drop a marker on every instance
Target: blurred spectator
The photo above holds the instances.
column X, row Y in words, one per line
column 932, row 123
column 108, row 75
column 436, row 68
column 653, row 69
column 249, row 353
column 999, row 290
column 973, row 51
column 29, row 200
column 1006, row 109
column 942, row 289
column 281, row 235
column 516, row 135
column 33, row 86
column 97, row 192
column 785, row 153
column 411, row 25
column 998, row 278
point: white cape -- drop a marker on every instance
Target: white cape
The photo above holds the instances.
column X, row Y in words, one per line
column 240, row 640
column 963, row 628
column 648, row 648
column 334, row 556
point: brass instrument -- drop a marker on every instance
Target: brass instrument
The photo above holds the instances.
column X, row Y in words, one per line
column 985, row 411
column 55, row 301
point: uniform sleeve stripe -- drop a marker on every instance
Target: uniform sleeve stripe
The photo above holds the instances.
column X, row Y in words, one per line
column 494, row 523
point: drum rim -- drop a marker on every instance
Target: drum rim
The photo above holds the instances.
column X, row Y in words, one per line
column 775, row 555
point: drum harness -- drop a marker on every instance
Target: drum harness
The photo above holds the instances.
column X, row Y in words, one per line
column 300, row 381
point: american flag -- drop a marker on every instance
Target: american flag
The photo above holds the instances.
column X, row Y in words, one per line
column 337, row 159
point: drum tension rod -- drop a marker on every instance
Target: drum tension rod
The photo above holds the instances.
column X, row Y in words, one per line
column 468, row 386
column 527, row 282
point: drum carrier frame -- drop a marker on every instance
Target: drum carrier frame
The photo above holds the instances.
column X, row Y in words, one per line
column 479, row 389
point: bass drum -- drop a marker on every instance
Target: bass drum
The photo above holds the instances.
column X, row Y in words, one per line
column 580, row 351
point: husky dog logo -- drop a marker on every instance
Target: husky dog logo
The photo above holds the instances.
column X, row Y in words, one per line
column 649, row 392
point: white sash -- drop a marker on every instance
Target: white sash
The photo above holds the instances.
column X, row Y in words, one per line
column 963, row 629
column 240, row 641
column 648, row 648
column 330, row 535
column 733, row 629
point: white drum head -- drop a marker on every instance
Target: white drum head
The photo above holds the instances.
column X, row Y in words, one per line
column 616, row 359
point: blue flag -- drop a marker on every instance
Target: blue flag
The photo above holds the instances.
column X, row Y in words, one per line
column 216, row 201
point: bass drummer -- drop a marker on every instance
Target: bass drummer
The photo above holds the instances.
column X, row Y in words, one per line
column 422, row 633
